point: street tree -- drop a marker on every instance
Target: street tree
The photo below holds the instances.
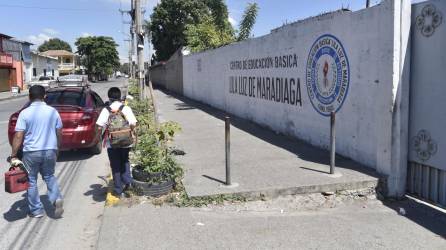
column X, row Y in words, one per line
column 206, row 35
column 216, row 31
column 99, row 55
column 124, row 68
column 168, row 23
column 220, row 18
column 197, row 24
column 54, row 44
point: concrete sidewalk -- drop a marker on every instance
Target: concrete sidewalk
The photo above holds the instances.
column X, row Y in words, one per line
column 370, row 225
column 262, row 162
column 8, row 95
column 266, row 163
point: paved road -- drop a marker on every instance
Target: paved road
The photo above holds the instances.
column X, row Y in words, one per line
column 81, row 178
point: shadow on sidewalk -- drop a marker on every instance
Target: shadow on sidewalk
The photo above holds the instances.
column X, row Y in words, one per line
column 424, row 215
column 97, row 192
column 214, row 179
column 301, row 149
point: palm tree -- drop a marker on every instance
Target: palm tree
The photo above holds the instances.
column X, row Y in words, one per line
column 248, row 21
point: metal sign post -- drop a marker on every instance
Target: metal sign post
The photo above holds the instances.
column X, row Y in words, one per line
column 332, row 142
column 227, row 150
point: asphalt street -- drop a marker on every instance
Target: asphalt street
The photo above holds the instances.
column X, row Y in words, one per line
column 82, row 181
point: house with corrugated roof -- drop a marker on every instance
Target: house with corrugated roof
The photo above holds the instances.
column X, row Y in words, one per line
column 15, row 59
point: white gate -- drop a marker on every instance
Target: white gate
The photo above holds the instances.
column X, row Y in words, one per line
column 427, row 148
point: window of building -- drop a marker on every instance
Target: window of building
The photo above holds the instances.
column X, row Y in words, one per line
column 44, row 72
column 52, row 72
column 67, row 60
column 34, row 72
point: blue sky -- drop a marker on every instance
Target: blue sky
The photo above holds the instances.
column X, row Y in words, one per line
column 39, row 20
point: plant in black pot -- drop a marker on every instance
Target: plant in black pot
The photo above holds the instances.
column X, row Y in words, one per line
column 155, row 170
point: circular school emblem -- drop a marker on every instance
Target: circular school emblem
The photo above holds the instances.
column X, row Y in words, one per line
column 328, row 75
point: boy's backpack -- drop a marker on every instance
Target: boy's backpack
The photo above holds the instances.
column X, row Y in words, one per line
column 119, row 131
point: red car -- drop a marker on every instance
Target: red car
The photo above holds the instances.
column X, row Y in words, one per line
column 79, row 108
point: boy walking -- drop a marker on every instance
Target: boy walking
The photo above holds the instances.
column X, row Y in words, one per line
column 38, row 128
column 119, row 122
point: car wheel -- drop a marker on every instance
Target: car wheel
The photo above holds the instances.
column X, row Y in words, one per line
column 97, row 149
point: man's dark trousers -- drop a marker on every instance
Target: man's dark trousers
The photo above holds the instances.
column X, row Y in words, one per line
column 120, row 165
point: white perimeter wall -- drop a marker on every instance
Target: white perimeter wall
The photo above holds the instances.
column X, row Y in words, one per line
column 428, row 89
column 371, row 123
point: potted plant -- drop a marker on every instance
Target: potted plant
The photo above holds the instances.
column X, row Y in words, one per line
column 155, row 171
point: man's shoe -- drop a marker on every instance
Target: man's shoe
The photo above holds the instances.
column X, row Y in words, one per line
column 39, row 215
column 58, row 208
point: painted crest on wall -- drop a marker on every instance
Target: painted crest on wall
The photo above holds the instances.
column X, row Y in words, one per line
column 424, row 145
column 429, row 19
column 327, row 75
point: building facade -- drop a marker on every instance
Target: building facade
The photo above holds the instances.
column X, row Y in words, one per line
column 15, row 59
column 67, row 61
column 43, row 66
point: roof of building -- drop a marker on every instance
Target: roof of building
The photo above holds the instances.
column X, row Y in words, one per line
column 42, row 55
column 5, row 36
column 57, row 53
column 21, row 41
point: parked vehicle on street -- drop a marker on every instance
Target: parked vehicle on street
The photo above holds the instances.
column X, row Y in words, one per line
column 79, row 109
column 73, row 81
column 45, row 81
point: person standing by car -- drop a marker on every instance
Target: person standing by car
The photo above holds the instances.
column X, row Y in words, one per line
column 119, row 123
column 38, row 128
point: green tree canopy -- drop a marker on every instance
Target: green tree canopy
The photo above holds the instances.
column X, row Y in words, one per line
column 198, row 24
column 216, row 31
column 98, row 54
column 54, row 44
column 168, row 23
column 124, row 68
column 206, row 35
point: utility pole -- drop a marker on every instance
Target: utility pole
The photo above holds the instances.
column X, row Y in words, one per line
column 132, row 35
column 367, row 3
column 130, row 55
column 140, row 47
column 131, row 42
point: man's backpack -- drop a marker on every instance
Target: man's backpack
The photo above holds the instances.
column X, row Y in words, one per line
column 119, row 131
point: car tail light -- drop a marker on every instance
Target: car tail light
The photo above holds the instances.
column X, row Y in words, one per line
column 13, row 121
column 87, row 119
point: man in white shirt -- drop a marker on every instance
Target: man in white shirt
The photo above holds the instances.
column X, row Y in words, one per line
column 119, row 157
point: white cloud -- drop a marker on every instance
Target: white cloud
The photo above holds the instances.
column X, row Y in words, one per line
column 50, row 31
column 86, row 34
column 38, row 39
column 232, row 21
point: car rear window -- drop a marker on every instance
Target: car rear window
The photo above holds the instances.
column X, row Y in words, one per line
column 65, row 98
column 44, row 78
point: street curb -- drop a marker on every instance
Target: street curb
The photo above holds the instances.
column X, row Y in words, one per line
column 272, row 193
column 110, row 199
